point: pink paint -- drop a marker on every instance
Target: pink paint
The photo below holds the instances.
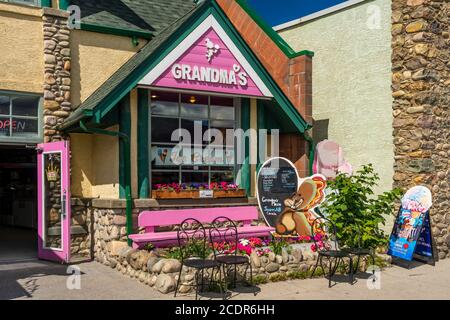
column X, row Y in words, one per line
column 151, row 219
column 222, row 60
column 63, row 254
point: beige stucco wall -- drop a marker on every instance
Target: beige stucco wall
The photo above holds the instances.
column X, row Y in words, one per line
column 95, row 166
column 351, row 81
column 22, row 47
column 95, row 57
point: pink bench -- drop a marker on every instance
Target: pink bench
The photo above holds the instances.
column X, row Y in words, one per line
column 152, row 219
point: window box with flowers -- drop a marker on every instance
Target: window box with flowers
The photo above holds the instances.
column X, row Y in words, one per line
column 193, row 191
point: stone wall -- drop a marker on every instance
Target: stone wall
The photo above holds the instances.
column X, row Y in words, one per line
column 57, row 80
column 421, row 91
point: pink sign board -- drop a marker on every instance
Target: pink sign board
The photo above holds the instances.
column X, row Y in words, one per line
column 209, row 65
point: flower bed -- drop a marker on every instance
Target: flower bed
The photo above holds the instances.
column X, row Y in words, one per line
column 192, row 191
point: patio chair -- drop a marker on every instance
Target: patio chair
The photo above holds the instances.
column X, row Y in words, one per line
column 190, row 232
column 359, row 251
column 224, row 230
column 332, row 252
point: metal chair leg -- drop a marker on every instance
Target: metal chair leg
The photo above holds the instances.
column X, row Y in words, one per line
column 178, row 281
column 235, row 276
column 330, row 273
column 351, row 270
column 225, row 281
column 196, row 284
column 315, row 267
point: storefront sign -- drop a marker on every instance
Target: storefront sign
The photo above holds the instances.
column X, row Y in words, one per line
column 411, row 233
column 195, row 73
column 208, row 60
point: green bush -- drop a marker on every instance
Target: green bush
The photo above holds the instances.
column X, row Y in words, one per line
column 357, row 213
column 193, row 248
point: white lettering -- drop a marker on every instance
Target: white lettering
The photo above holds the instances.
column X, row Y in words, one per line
column 210, row 75
column 176, row 71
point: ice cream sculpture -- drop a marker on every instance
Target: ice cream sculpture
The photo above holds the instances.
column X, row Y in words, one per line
column 329, row 160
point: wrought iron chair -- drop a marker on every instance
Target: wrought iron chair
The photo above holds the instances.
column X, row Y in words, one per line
column 359, row 251
column 192, row 232
column 333, row 252
column 224, row 230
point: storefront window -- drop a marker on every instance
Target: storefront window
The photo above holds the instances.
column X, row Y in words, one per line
column 195, row 114
column 19, row 117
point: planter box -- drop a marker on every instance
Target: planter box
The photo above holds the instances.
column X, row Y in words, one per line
column 195, row 194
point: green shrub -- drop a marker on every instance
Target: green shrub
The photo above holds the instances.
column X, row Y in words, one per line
column 259, row 279
column 277, row 245
column 356, row 212
column 193, row 248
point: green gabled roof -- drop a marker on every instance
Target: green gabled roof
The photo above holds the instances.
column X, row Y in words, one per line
column 118, row 79
column 106, row 97
column 139, row 17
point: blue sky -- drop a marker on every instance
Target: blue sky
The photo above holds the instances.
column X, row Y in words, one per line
column 276, row 12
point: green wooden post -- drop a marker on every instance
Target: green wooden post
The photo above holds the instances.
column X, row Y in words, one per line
column 125, row 128
column 143, row 144
column 261, row 125
column 245, row 125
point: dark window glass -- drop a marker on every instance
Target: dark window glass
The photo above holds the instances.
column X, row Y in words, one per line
column 4, row 105
column 189, row 125
column 5, row 126
column 24, row 127
column 165, row 177
column 25, row 106
column 222, row 177
column 164, row 103
column 219, row 112
column 222, row 108
column 162, row 129
column 194, row 106
column 194, row 177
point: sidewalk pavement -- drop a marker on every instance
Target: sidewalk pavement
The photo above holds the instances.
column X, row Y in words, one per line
column 32, row 279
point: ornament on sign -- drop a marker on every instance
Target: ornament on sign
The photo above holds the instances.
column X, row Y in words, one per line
column 212, row 49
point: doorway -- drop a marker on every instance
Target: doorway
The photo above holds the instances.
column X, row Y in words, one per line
column 18, row 203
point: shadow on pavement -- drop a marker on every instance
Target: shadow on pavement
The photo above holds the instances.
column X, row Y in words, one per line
column 18, row 278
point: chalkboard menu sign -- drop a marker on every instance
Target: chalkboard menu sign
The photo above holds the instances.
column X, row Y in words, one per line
column 277, row 181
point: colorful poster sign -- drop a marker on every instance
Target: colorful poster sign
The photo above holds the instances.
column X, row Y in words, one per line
column 329, row 160
column 411, row 232
column 287, row 204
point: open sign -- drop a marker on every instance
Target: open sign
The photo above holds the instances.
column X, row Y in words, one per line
column 16, row 125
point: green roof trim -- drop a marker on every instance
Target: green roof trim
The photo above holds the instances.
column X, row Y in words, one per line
column 46, row 3
column 107, row 97
column 276, row 38
column 64, row 4
column 115, row 31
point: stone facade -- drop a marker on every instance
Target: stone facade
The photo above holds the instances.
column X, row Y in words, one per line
column 421, row 92
column 57, row 105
